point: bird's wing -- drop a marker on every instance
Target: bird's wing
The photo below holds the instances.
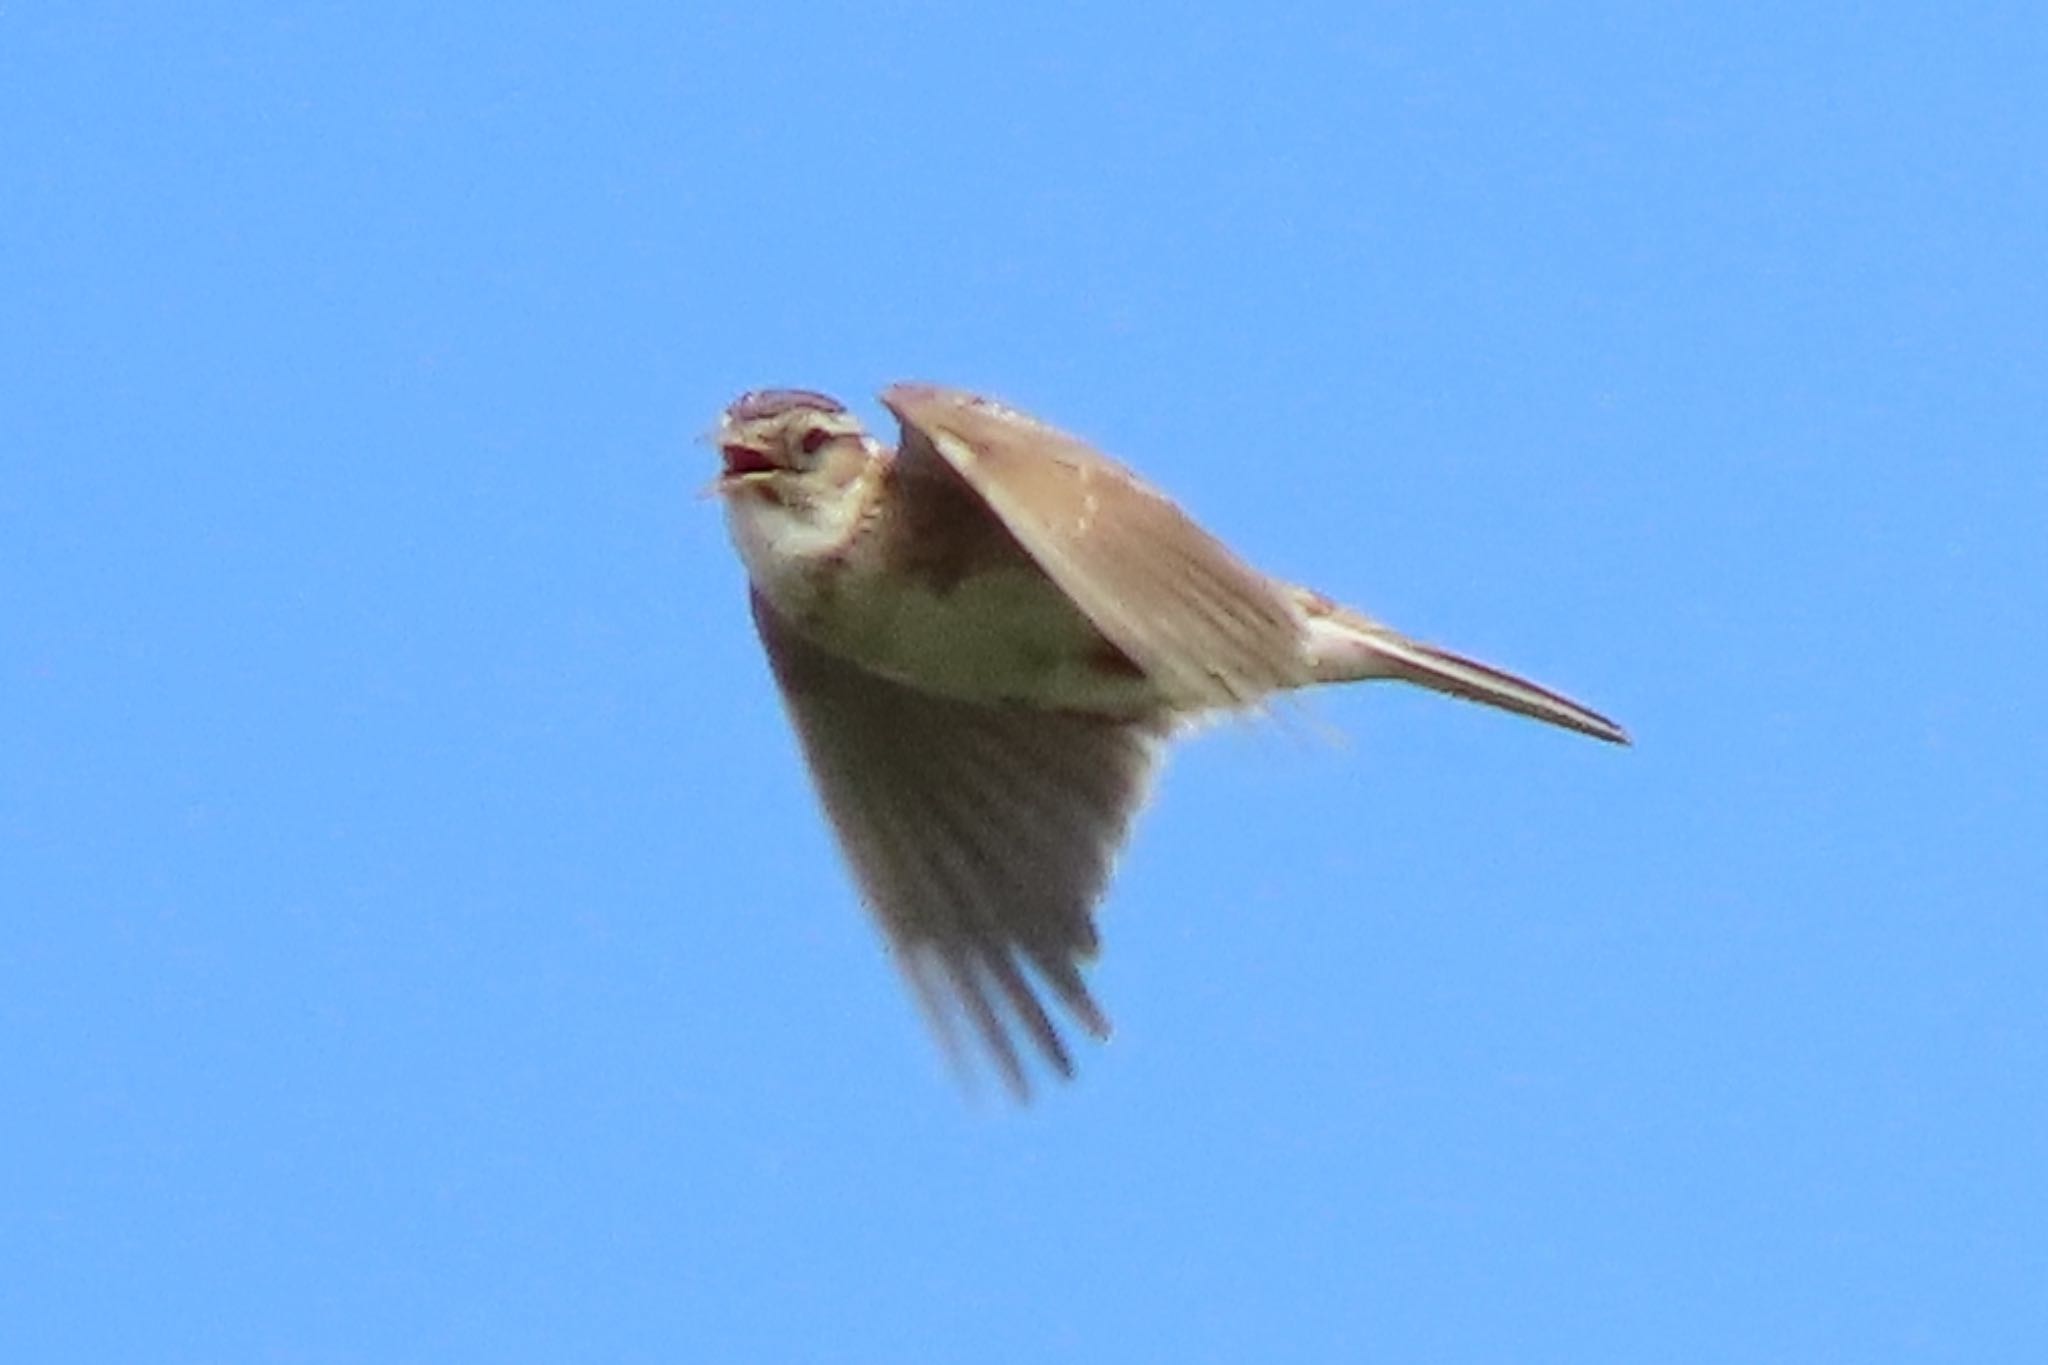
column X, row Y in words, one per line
column 981, row 836
column 1206, row 627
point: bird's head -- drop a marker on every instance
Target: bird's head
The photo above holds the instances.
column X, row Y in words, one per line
column 795, row 467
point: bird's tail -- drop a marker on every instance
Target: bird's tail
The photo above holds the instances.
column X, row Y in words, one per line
column 1348, row 647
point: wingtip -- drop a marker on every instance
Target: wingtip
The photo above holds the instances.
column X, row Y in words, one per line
column 910, row 393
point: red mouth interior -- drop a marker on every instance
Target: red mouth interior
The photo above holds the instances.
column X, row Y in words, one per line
column 745, row 460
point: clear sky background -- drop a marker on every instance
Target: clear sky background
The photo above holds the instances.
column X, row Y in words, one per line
column 418, row 938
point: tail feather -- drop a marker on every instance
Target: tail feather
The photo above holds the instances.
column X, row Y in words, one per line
column 1348, row 647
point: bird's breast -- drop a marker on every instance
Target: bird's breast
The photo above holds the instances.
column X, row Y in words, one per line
column 1001, row 635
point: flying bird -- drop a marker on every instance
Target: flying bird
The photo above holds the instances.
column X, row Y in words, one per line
column 984, row 638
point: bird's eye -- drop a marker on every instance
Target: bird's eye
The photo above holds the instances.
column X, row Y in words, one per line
column 813, row 440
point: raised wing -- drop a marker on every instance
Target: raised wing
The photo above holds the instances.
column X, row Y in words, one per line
column 1209, row 629
column 981, row 837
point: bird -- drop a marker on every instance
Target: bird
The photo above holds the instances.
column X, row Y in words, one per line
column 985, row 638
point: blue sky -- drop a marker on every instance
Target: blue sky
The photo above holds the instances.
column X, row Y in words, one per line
column 420, row 940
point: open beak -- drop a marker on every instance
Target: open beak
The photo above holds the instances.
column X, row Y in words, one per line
column 744, row 464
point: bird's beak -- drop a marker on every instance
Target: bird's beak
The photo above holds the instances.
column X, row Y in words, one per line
column 744, row 463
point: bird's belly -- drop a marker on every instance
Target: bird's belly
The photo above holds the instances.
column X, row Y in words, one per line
column 1003, row 636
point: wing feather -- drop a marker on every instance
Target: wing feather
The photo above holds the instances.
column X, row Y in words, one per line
column 1208, row 628
column 981, row 837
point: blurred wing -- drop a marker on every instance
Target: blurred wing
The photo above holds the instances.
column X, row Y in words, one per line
column 981, row 836
column 1209, row 629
